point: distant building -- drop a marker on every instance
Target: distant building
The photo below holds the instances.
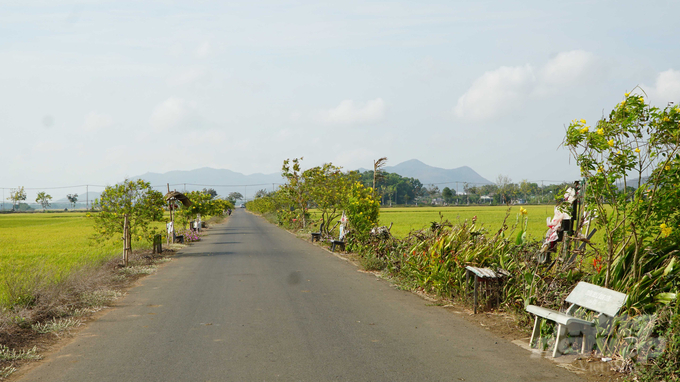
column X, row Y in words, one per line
column 486, row 198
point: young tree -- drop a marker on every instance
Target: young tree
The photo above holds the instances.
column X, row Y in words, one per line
column 133, row 200
column 72, row 198
column 329, row 189
column 43, row 199
column 295, row 188
column 17, row 195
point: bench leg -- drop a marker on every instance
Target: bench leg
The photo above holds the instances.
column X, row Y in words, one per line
column 586, row 344
column 333, row 247
column 561, row 331
column 537, row 324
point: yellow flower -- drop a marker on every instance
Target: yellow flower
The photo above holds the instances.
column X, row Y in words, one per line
column 668, row 167
column 642, row 99
column 627, row 94
column 610, row 143
column 600, row 131
column 523, row 211
column 666, row 119
column 665, row 231
column 585, row 129
column 637, row 150
column 619, row 152
column 583, row 121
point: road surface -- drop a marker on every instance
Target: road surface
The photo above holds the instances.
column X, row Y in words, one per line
column 253, row 303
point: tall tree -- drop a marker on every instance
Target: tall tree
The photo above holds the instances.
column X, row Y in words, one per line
column 261, row 193
column 44, row 199
column 72, row 198
column 295, row 188
column 448, row 194
column 234, row 196
column 17, row 195
column 503, row 183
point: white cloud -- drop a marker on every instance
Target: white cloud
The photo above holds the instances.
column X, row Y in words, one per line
column 348, row 113
column 203, row 49
column 505, row 89
column 667, row 88
column 95, row 121
column 188, row 77
column 295, row 115
column 566, row 68
column 495, row 93
column 172, row 113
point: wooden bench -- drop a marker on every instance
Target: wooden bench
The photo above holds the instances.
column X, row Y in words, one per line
column 605, row 302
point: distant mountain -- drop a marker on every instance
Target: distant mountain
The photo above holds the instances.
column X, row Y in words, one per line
column 82, row 198
column 226, row 181
column 434, row 175
column 222, row 180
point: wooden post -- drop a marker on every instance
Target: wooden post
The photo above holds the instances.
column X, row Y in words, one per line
column 168, row 241
column 475, row 295
column 126, row 240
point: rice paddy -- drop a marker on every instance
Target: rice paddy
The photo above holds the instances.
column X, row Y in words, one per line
column 46, row 247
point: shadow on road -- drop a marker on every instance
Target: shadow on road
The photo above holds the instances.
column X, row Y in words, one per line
column 202, row 254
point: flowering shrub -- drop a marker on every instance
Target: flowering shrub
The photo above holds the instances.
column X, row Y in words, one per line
column 363, row 209
column 631, row 164
column 190, row 235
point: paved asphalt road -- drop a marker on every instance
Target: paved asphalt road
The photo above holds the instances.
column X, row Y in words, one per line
column 253, row 303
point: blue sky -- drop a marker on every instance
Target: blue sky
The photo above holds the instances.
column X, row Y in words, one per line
column 94, row 91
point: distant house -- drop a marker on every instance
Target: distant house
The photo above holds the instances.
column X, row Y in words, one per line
column 486, row 198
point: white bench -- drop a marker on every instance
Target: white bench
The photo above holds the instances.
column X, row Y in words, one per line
column 604, row 301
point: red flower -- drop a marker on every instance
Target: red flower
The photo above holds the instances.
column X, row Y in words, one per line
column 597, row 264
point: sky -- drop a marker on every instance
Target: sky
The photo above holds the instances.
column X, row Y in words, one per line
column 92, row 92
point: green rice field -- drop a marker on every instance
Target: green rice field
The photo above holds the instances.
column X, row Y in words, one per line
column 50, row 245
column 490, row 217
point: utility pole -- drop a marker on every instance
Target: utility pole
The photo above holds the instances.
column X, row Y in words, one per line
column 87, row 197
column 457, row 195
